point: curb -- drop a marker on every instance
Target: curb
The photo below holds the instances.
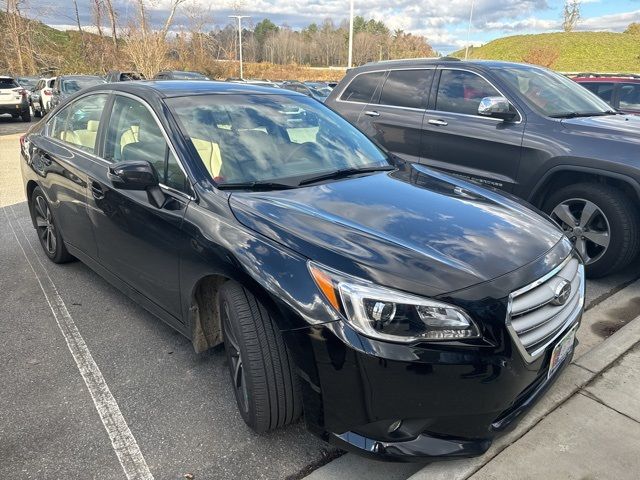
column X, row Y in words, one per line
column 580, row 372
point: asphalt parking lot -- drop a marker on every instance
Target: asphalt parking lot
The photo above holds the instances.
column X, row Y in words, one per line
column 9, row 125
column 177, row 405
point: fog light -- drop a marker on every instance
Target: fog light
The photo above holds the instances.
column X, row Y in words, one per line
column 394, row 426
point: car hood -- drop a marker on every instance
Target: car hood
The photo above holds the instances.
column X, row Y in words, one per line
column 609, row 127
column 413, row 229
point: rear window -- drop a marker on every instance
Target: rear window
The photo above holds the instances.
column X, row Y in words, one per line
column 362, row 87
column 603, row 90
column 630, row 96
column 8, row 83
column 407, row 88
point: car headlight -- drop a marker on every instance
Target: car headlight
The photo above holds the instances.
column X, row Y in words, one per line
column 387, row 314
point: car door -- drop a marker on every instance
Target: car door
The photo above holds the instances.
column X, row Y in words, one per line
column 63, row 156
column 354, row 97
column 455, row 138
column 139, row 241
column 394, row 119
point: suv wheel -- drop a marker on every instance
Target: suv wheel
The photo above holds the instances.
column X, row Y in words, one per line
column 48, row 232
column 264, row 383
column 26, row 115
column 602, row 223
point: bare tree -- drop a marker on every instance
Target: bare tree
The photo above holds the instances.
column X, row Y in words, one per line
column 112, row 19
column 571, row 15
column 97, row 15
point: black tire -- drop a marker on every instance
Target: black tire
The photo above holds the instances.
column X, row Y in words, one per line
column 266, row 387
column 619, row 212
column 48, row 232
column 43, row 112
column 15, row 115
column 26, row 115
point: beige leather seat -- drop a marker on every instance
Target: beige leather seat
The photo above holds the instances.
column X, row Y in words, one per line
column 209, row 153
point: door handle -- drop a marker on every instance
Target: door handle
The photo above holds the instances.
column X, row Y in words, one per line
column 372, row 113
column 96, row 190
column 440, row 123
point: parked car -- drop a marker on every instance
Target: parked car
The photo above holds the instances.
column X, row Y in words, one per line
column 180, row 75
column 66, row 85
column 320, row 95
column 253, row 81
column 521, row 128
column 622, row 92
column 118, row 76
column 321, row 86
column 13, row 99
column 40, row 98
column 28, row 83
column 409, row 314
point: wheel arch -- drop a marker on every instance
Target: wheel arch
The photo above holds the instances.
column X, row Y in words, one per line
column 563, row 175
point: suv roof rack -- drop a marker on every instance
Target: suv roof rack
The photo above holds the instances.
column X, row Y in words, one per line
column 604, row 75
column 398, row 60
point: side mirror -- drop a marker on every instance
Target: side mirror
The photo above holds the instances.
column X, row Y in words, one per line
column 496, row 107
column 138, row 175
column 135, row 175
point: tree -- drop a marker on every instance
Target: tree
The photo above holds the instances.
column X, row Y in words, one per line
column 571, row 15
column 633, row 29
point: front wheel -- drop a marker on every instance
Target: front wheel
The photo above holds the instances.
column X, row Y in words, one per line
column 48, row 232
column 264, row 382
column 602, row 223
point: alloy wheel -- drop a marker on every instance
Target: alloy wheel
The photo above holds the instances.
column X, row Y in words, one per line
column 586, row 225
column 45, row 226
column 236, row 362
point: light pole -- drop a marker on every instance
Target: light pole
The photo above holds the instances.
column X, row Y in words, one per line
column 351, row 36
column 240, row 17
column 466, row 51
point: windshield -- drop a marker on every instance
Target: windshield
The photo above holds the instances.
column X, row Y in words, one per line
column 552, row 94
column 269, row 138
column 73, row 85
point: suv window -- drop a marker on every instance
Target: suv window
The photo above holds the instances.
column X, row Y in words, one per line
column 603, row 90
column 362, row 87
column 630, row 96
column 134, row 134
column 77, row 124
column 8, row 83
column 407, row 88
column 461, row 92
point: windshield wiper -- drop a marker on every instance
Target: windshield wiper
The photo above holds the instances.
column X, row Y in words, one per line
column 584, row 114
column 255, row 185
column 345, row 172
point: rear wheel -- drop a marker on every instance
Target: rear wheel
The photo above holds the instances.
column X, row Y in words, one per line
column 602, row 223
column 262, row 375
column 48, row 232
column 26, row 115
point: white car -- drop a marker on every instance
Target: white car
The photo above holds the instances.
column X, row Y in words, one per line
column 41, row 96
column 13, row 99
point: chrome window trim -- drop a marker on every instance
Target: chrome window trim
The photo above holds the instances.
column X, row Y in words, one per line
column 570, row 323
column 520, row 116
column 339, row 97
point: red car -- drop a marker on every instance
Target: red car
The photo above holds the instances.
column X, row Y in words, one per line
column 622, row 92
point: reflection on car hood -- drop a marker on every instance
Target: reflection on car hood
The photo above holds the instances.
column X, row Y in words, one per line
column 620, row 127
column 413, row 229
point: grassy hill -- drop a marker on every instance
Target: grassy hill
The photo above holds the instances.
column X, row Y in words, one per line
column 568, row 52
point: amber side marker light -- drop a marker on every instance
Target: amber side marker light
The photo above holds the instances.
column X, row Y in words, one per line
column 325, row 284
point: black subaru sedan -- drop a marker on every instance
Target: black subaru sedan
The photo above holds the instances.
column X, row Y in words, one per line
column 405, row 313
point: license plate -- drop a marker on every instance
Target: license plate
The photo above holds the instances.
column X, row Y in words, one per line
column 562, row 349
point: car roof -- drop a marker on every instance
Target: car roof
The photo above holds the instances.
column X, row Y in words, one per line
column 449, row 61
column 612, row 79
column 181, row 88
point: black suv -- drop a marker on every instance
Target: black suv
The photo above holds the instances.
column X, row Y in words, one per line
column 521, row 128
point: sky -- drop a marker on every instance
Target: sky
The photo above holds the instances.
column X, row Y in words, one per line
column 443, row 22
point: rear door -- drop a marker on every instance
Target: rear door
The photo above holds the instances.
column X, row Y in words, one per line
column 394, row 118
column 458, row 140
column 354, row 97
column 629, row 97
column 137, row 241
column 63, row 157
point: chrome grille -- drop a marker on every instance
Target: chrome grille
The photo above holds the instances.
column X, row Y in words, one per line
column 534, row 316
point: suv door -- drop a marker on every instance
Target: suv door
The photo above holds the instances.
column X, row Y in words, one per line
column 455, row 138
column 137, row 241
column 356, row 95
column 63, row 157
column 394, row 119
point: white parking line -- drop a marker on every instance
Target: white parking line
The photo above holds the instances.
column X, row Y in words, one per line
column 123, row 442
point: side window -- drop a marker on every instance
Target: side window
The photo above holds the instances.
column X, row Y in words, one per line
column 362, row 87
column 603, row 90
column 461, row 92
column 135, row 135
column 630, row 96
column 407, row 88
column 77, row 124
